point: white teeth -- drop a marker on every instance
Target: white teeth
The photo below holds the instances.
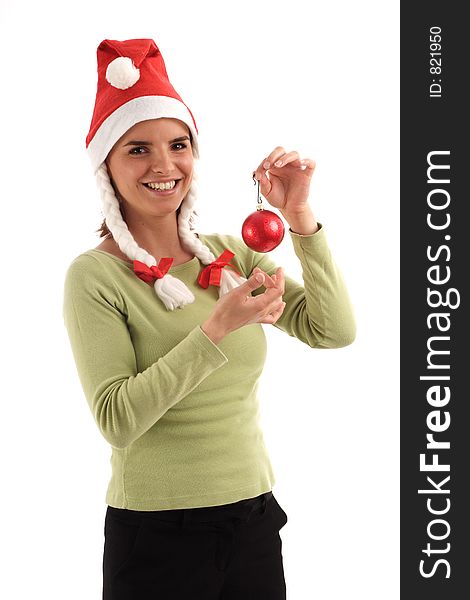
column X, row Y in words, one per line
column 169, row 185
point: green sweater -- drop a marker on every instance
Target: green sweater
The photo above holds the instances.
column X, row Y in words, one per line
column 180, row 412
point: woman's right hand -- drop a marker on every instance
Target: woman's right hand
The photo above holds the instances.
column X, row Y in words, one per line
column 238, row 307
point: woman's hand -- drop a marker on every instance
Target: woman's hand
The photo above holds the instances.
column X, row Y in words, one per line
column 238, row 307
column 285, row 183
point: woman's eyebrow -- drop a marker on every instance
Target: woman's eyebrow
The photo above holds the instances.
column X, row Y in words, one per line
column 140, row 143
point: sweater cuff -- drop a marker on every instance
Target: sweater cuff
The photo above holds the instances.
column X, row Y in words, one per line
column 207, row 347
column 315, row 242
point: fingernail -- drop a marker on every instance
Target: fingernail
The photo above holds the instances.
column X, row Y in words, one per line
column 278, row 163
column 266, row 164
column 259, row 277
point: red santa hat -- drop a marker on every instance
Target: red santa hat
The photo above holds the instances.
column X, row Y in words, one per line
column 133, row 86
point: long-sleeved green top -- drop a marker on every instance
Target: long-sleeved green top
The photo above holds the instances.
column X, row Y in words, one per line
column 180, row 412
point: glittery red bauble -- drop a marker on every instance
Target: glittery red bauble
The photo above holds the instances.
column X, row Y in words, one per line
column 262, row 231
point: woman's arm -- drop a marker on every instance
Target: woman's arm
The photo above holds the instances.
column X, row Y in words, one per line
column 124, row 402
column 319, row 313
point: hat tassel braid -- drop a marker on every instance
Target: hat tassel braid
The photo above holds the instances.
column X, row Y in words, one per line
column 229, row 279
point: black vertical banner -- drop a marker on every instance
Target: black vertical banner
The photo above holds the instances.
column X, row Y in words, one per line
column 435, row 268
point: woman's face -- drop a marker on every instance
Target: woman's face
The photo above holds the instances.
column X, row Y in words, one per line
column 155, row 151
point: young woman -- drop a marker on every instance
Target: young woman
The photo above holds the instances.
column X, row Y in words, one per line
column 165, row 328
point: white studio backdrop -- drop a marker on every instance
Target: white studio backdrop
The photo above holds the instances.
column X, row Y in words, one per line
column 321, row 78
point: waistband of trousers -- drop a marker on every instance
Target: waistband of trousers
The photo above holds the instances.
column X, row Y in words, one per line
column 240, row 510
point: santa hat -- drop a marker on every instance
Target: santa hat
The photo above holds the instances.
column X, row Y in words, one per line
column 133, row 86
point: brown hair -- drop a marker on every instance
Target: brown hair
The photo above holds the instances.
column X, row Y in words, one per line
column 104, row 231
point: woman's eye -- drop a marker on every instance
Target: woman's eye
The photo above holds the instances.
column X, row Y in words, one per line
column 179, row 145
column 136, row 149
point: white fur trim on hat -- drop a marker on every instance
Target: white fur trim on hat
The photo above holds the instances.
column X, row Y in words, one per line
column 139, row 109
column 122, row 73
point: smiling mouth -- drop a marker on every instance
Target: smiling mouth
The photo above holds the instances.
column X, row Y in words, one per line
column 162, row 188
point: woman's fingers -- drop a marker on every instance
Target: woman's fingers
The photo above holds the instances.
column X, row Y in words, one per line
column 270, row 304
column 278, row 287
column 274, row 280
column 268, row 280
column 273, row 316
column 287, row 158
column 268, row 162
column 280, row 280
column 279, row 158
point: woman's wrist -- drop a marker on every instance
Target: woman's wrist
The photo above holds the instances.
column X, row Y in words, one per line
column 212, row 331
column 302, row 223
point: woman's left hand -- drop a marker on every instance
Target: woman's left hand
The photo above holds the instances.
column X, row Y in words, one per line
column 287, row 187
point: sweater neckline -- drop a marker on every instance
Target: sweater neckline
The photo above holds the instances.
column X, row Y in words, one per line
column 180, row 267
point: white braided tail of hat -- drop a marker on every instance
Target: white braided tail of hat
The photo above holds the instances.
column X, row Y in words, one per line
column 172, row 291
column 229, row 279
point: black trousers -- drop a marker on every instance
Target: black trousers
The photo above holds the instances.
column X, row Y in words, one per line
column 229, row 552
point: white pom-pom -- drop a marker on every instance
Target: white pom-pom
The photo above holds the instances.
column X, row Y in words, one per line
column 121, row 73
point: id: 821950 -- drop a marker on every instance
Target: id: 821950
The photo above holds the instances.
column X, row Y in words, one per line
column 435, row 62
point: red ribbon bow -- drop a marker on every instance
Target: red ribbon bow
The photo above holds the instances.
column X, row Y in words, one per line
column 211, row 274
column 149, row 274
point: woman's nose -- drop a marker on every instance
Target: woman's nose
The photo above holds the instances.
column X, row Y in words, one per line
column 161, row 163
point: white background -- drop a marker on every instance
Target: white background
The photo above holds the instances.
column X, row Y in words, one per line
column 317, row 77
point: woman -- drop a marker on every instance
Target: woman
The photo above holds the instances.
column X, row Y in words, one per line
column 165, row 327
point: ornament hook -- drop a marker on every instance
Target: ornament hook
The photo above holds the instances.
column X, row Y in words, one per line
column 259, row 200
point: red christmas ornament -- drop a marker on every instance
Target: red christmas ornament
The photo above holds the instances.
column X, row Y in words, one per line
column 263, row 230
